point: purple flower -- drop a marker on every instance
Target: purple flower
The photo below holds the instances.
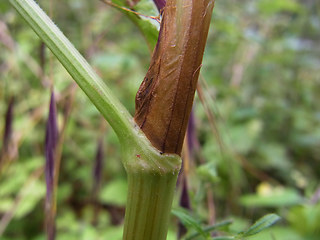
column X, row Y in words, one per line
column 185, row 203
column 184, row 198
column 50, row 152
column 50, row 145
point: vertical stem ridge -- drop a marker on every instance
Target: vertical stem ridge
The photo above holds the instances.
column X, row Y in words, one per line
column 149, row 204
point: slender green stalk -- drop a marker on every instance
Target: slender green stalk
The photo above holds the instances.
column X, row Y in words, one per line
column 77, row 66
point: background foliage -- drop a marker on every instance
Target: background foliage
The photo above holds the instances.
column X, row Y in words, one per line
column 262, row 85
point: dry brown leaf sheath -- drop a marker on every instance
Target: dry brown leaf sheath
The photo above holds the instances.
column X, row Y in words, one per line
column 165, row 97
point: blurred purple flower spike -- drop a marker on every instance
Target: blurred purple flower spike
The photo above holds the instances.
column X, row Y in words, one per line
column 51, row 142
column 97, row 172
column 160, row 4
column 6, row 150
column 50, row 145
column 184, row 203
column 8, row 124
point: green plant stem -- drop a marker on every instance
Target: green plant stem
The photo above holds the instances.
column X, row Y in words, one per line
column 148, row 207
column 152, row 179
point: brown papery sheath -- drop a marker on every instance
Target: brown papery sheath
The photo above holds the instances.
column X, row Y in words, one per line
column 165, row 97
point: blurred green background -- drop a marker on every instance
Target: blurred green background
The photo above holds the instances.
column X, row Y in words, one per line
column 259, row 151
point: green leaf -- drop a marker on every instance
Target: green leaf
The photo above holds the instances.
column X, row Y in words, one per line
column 279, row 233
column 223, row 238
column 208, row 172
column 263, row 223
column 148, row 30
column 115, row 192
column 209, row 229
column 31, row 197
column 274, row 155
column 277, row 197
column 5, row 204
column 272, row 7
column 305, row 219
column 188, row 221
column 113, row 233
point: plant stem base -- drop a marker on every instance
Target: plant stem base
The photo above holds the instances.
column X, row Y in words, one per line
column 149, row 204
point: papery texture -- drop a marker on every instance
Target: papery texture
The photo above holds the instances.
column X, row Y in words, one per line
column 165, row 97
